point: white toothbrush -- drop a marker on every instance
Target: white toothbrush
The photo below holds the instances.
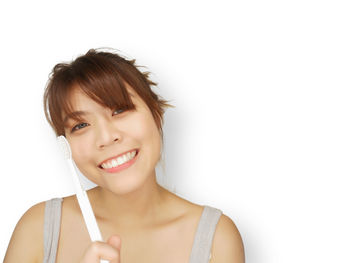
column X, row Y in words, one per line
column 83, row 199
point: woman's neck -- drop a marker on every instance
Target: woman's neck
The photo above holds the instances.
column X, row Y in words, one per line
column 141, row 207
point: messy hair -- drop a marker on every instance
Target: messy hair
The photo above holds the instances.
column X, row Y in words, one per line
column 101, row 75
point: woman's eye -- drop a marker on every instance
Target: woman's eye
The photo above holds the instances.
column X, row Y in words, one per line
column 118, row 111
column 79, row 126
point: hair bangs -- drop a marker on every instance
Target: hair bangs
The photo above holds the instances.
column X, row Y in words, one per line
column 101, row 84
column 100, row 80
column 105, row 78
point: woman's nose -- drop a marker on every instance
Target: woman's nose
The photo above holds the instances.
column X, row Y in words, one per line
column 106, row 134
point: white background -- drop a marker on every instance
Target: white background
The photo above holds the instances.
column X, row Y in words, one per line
column 261, row 124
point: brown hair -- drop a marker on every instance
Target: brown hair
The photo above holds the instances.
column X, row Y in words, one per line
column 101, row 76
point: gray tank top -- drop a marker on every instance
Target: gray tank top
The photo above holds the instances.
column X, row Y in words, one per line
column 201, row 248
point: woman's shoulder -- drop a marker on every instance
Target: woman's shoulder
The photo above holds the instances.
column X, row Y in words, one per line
column 27, row 237
column 227, row 241
column 182, row 206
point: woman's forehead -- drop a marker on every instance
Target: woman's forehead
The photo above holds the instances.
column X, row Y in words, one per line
column 77, row 97
column 76, row 93
column 78, row 100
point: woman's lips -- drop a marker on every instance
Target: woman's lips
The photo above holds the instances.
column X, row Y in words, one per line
column 122, row 166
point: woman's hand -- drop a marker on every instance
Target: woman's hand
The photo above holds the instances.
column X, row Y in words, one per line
column 100, row 250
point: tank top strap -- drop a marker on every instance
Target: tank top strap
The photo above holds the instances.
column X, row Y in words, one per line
column 52, row 224
column 201, row 249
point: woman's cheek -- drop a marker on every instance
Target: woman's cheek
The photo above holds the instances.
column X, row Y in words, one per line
column 80, row 150
column 143, row 126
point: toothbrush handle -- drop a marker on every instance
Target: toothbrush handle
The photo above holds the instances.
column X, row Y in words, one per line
column 86, row 209
column 90, row 221
column 89, row 217
column 85, row 206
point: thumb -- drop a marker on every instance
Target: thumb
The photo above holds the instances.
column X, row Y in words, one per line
column 115, row 241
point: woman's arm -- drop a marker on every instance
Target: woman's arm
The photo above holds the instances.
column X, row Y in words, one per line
column 26, row 244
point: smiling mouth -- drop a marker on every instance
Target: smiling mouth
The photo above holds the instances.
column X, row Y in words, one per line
column 119, row 161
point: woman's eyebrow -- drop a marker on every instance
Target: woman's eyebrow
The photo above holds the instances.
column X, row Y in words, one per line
column 75, row 113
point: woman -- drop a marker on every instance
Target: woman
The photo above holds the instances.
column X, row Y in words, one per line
column 106, row 109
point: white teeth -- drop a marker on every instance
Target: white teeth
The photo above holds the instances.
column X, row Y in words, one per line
column 118, row 161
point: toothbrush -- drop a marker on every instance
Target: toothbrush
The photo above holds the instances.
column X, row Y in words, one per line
column 83, row 199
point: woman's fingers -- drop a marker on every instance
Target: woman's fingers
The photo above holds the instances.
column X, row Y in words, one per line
column 115, row 241
column 100, row 250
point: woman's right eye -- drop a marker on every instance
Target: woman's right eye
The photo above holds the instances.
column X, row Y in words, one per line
column 79, row 126
column 119, row 111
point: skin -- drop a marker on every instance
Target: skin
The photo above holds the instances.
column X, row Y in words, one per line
column 140, row 220
column 130, row 197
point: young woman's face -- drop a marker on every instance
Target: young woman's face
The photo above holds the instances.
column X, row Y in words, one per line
column 105, row 134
